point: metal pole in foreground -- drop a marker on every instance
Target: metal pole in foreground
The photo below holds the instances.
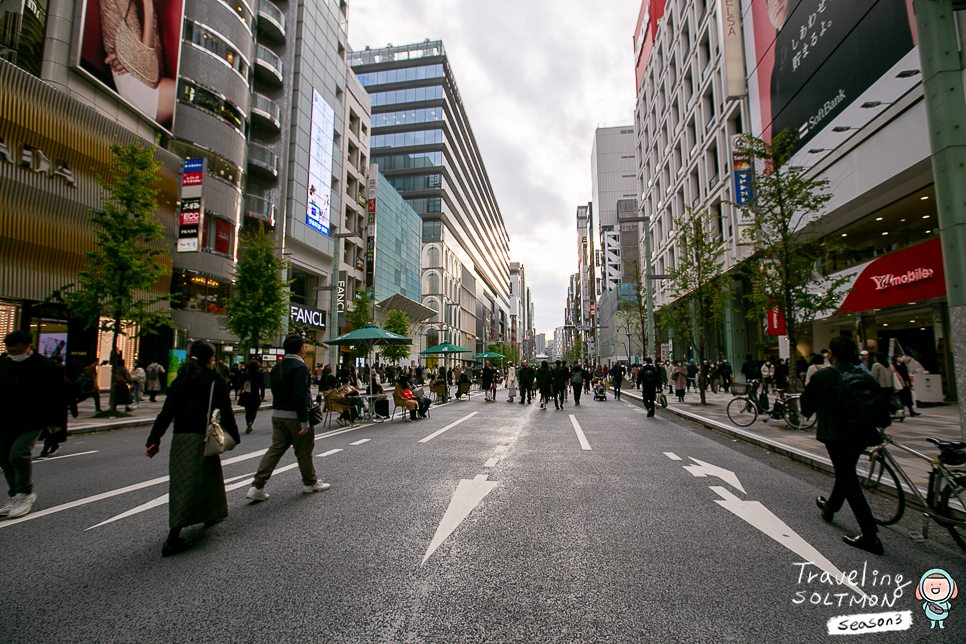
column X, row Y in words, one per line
column 946, row 114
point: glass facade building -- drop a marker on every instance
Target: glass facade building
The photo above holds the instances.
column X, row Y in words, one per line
column 398, row 242
column 423, row 144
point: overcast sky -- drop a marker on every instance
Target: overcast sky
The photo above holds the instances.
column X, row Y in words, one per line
column 536, row 77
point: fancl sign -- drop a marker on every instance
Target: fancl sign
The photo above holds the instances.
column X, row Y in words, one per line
column 307, row 317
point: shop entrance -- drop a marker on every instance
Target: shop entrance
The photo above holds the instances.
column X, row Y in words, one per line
column 919, row 343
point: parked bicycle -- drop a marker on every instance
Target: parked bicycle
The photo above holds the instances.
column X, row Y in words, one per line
column 744, row 409
column 945, row 499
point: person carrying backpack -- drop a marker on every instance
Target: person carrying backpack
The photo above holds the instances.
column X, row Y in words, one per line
column 850, row 414
column 650, row 380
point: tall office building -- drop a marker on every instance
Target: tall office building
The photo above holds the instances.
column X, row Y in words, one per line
column 424, row 145
column 521, row 311
column 584, row 286
column 613, row 169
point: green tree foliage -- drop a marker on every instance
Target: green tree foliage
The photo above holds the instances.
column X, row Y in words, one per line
column 508, row 351
column 696, row 283
column 259, row 298
column 632, row 304
column 111, row 292
column 359, row 316
column 397, row 322
column 575, row 352
column 790, row 255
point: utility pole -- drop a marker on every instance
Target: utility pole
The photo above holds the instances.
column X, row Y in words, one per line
column 942, row 77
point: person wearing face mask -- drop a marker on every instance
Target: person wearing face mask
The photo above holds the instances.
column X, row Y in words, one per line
column 33, row 398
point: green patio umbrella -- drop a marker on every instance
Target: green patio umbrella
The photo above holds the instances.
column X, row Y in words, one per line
column 368, row 337
column 444, row 348
column 488, row 355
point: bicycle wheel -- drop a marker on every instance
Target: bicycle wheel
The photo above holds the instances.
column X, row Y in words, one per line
column 957, row 496
column 887, row 505
column 792, row 414
column 742, row 412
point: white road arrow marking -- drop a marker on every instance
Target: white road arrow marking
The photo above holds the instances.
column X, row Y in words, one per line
column 584, row 445
column 467, row 496
column 761, row 517
column 703, row 469
column 447, row 428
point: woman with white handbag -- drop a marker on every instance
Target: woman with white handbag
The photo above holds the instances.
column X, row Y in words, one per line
column 197, row 399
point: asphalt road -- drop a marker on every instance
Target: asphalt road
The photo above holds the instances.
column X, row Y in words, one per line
column 591, row 524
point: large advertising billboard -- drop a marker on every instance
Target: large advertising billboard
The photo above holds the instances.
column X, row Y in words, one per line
column 133, row 48
column 826, row 68
column 320, row 165
column 651, row 11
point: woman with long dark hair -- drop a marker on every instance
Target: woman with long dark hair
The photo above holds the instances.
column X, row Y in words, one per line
column 196, row 489
column 545, row 383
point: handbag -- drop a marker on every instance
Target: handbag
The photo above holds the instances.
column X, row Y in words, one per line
column 138, row 59
column 315, row 414
column 216, row 440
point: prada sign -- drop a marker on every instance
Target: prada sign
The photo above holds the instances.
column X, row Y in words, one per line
column 307, row 317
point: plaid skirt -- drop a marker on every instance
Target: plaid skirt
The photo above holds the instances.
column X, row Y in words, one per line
column 196, row 489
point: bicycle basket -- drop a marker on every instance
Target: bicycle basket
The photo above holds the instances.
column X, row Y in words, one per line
column 740, row 388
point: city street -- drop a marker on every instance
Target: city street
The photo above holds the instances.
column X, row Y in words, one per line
column 484, row 523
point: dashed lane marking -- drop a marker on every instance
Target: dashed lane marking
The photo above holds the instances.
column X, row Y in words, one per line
column 673, row 456
column 54, row 458
column 329, row 453
column 360, row 442
column 447, row 428
column 492, row 462
column 584, row 445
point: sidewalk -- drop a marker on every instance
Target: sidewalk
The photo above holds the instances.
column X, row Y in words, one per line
column 776, row 436
column 141, row 416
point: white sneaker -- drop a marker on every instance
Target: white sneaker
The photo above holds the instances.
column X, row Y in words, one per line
column 11, row 502
column 316, row 487
column 22, row 506
column 257, row 494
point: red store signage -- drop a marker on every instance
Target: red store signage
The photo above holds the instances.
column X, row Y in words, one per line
column 907, row 276
column 776, row 322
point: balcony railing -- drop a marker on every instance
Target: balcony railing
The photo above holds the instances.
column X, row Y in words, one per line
column 260, row 208
column 262, row 161
column 266, row 114
column 271, row 20
column 268, row 66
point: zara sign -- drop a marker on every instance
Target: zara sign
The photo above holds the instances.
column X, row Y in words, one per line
column 307, row 317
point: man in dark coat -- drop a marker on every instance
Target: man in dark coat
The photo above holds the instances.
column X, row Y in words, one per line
column 561, row 378
column 726, row 372
column 692, row 375
column 844, row 450
column 526, row 376
column 32, row 395
column 650, row 380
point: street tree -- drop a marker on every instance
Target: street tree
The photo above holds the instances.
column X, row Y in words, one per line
column 510, row 352
column 789, row 253
column 397, row 322
column 358, row 316
column 696, row 282
column 258, row 301
column 112, row 292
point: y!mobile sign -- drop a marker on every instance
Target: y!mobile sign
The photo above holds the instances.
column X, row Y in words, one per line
column 320, row 165
column 825, row 68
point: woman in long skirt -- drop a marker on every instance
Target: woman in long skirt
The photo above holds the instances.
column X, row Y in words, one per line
column 196, row 489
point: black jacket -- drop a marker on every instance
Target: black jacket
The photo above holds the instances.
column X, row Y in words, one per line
column 561, row 377
column 290, row 387
column 526, row 375
column 187, row 405
column 819, row 397
column 544, row 378
column 32, row 395
column 617, row 373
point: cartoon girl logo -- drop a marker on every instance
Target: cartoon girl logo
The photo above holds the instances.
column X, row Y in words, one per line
column 936, row 588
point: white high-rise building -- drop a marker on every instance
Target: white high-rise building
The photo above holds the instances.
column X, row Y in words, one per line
column 613, row 168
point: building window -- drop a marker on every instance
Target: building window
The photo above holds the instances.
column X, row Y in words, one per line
column 213, row 103
column 408, row 161
column 411, row 95
column 420, row 182
column 432, row 231
column 408, row 117
column 432, row 284
column 208, row 40
column 402, row 139
column 427, row 205
column 401, row 75
column 432, row 257
column 22, row 35
column 193, row 292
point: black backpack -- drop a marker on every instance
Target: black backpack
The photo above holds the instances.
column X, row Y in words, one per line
column 861, row 411
column 649, row 376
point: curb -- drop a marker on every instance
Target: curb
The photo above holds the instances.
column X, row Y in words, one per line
column 131, row 423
